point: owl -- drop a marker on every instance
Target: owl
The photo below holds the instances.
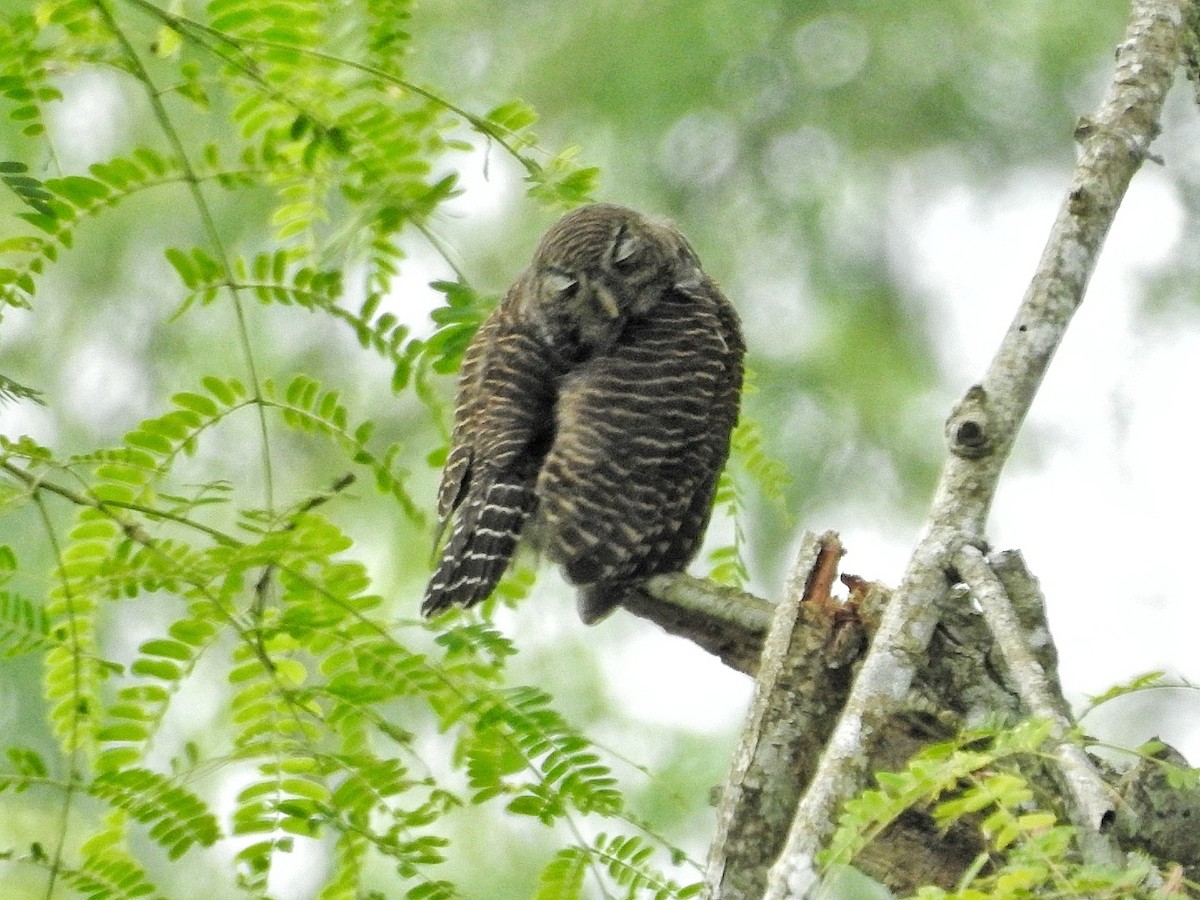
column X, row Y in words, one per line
column 594, row 413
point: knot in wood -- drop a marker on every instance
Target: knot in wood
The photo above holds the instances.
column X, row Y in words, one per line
column 969, row 428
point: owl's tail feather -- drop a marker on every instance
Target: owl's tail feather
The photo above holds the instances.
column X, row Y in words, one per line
column 481, row 544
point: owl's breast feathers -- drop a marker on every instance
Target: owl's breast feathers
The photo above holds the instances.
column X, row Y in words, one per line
column 643, row 432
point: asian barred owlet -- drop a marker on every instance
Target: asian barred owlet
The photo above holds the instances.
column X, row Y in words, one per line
column 594, row 414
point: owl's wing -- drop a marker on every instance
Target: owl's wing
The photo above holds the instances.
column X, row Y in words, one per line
column 724, row 412
column 503, row 424
column 457, row 469
column 643, row 432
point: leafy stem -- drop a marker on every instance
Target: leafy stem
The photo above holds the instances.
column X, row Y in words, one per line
column 76, row 650
column 105, row 506
column 210, row 228
column 194, row 30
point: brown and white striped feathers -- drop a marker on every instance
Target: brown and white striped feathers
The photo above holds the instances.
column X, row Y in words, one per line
column 594, row 414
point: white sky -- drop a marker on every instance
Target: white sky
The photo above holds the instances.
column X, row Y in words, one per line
column 1102, row 491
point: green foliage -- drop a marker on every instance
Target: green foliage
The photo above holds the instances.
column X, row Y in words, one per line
column 983, row 777
column 308, row 156
column 109, row 875
column 517, row 733
column 28, row 768
column 750, row 465
column 457, row 323
column 23, row 625
column 178, row 818
column 25, row 75
column 11, row 391
column 29, row 189
column 623, row 858
column 61, row 205
column 1150, row 681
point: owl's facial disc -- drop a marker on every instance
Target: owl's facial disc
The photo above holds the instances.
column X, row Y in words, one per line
column 566, row 289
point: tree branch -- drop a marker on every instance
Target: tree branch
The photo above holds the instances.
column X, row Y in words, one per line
column 1087, row 797
column 726, row 622
column 984, row 425
column 800, row 687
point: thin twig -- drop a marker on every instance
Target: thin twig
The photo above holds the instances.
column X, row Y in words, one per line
column 191, row 28
column 36, row 484
column 167, row 125
column 1089, row 804
column 78, row 707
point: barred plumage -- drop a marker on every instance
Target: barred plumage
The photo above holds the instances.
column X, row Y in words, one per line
column 594, row 413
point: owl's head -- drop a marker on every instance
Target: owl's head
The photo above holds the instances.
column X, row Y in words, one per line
column 598, row 267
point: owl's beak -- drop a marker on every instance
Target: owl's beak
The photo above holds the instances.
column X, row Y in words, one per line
column 607, row 302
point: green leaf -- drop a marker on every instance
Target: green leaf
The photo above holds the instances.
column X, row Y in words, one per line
column 29, row 189
column 123, row 731
column 1138, row 683
column 515, row 115
column 223, row 391
column 563, row 877
column 151, row 441
column 166, row 649
column 197, row 403
column 79, row 190
column 156, row 668
column 178, row 818
column 184, row 266
column 23, row 624
column 193, row 632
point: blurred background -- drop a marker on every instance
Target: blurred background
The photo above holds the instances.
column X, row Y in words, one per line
column 872, row 184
